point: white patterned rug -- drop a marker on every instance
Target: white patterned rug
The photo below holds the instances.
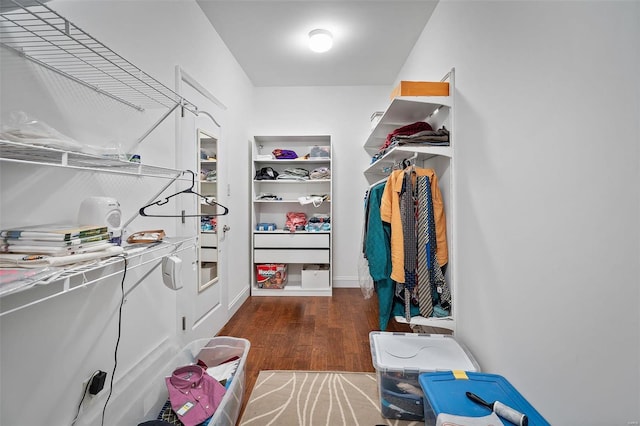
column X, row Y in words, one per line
column 307, row 398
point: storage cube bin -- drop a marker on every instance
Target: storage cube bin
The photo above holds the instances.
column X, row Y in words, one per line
column 399, row 359
column 421, row 88
column 212, row 351
column 317, row 152
column 315, row 276
column 445, row 392
column 208, row 271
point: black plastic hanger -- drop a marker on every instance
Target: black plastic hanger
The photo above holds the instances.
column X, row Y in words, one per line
column 185, row 191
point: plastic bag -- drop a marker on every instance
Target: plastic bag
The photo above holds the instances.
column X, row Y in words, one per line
column 364, row 278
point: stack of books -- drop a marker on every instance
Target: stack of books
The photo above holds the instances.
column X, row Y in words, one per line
column 54, row 239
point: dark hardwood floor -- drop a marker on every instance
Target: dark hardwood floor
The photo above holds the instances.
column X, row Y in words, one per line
column 307, row 333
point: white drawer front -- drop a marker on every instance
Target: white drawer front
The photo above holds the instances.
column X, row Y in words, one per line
column 291, row 256
column 208, row 239
column 291, row 240
column 208, row 255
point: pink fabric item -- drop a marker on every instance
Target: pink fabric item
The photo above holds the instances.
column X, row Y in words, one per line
column 295, row 221
column 194, row 395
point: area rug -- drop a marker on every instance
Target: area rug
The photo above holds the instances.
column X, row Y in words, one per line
column 316, row 398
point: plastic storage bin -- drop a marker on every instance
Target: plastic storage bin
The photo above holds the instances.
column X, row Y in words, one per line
column 212, row 352
column 315, row 276
column 445, row 392
column 399, row 358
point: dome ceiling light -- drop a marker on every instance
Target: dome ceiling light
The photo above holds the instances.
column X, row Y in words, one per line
column 320, row 40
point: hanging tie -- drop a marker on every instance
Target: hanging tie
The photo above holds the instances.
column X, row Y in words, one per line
column 425, row 298
column 408, row 216
column 441, row 294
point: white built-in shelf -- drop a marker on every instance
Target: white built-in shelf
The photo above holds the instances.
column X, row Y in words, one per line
column 44, row 156
column 383, row 165
column 445, row 322
column 403, row 110
column 285, row 201
column 287, row 232
column 280, row 181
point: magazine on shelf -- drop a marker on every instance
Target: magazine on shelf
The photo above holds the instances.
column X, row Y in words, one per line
column 26, row 241
column 55, row 232
column 57, row 251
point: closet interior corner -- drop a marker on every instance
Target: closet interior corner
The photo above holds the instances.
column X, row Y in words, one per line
column 413, row 140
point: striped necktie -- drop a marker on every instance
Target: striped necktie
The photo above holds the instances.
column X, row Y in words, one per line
column 425, row 302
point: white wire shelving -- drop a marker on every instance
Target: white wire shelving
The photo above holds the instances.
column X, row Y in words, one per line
column 17, row 152
column 54, row 282
column 38, row 33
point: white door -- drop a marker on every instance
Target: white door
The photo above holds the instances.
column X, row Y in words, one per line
column 203, row 302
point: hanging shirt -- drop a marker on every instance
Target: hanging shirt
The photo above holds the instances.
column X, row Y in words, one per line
column 390, row 212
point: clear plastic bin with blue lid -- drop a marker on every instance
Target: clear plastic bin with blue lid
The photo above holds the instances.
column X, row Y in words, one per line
column 400, row 357
column 445, row 392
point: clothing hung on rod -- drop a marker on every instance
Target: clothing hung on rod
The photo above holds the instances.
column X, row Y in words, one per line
column 405, row 244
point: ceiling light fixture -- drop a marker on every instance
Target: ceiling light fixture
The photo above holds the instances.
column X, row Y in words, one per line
column 320, row 40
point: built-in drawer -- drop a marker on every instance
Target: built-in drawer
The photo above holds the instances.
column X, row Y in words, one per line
column 208, row 255
column 291, row 256
column 291, row 240
column 209, row 239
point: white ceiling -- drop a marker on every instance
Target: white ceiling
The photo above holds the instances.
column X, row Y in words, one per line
column 372, row 38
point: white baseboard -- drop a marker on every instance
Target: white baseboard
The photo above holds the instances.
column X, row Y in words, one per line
column 346, row 282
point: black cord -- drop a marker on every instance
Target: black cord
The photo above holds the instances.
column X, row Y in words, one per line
column 115, row 353
column 84, row 393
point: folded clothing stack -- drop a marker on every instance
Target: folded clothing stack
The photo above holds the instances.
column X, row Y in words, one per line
column 266, row 173
column 319, row 222
column 296, row 221
column 321, row 173
column 294, row 173
column 284, row 154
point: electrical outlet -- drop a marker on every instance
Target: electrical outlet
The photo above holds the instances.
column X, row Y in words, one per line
column 85, row 388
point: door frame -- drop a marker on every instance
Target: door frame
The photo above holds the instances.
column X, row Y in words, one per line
column 200, row 312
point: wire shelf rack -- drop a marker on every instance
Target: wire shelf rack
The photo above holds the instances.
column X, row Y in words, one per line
column 42, row 155
column 38, row 33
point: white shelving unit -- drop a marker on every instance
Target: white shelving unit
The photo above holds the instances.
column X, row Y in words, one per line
column 438, row 111
column 307, row 254
column 39, row 34
column 208, row 184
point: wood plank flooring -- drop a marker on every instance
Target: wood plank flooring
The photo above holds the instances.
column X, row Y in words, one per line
column 307, row 333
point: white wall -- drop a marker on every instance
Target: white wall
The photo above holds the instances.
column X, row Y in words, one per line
column 59, row 343
column 342, row 112
column 178, row 33
column 547, row 135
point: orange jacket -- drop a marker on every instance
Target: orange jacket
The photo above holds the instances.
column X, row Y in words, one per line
column 390, row 212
